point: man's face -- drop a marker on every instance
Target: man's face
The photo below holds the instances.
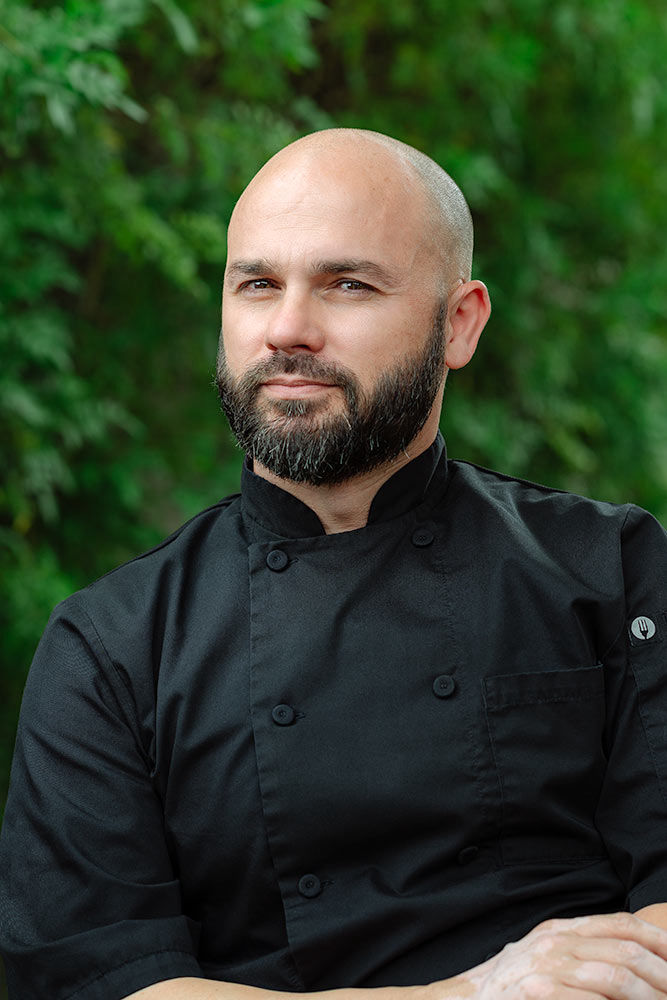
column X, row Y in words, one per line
column 332, row 327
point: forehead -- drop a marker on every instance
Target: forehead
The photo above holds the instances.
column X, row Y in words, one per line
column 337, row 206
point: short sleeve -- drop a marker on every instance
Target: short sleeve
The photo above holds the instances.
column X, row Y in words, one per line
column 90, row 904
column 632, row 813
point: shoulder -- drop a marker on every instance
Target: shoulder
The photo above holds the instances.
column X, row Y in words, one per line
column 526, row 499
column 528, row 514
column 118, row 633
column 195, row 557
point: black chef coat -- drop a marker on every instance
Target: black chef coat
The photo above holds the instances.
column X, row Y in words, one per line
column 264, row 754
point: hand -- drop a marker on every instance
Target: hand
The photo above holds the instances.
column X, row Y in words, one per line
column 615, row 956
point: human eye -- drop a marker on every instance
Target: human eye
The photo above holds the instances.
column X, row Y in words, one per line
column 256, row 288
column 256, row 285
column 354, row 285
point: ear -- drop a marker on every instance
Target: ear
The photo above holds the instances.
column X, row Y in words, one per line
column 468, row 309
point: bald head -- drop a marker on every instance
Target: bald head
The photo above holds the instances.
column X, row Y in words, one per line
column 449, row 216
column 346, row 300
column 417, row 184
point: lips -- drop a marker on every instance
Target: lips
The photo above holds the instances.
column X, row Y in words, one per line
column 286, row 387
column 295, row 382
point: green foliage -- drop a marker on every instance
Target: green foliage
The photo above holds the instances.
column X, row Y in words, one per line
column 552, row 117
column 128, row 128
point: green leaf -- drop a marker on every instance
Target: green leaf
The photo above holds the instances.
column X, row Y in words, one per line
column 180, row 23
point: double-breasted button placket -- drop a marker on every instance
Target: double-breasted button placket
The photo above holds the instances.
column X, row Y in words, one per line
column 325, row 730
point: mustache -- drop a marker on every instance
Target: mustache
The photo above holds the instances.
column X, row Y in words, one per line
column 304, row 365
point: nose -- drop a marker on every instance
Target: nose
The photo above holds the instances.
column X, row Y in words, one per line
column 294, row 324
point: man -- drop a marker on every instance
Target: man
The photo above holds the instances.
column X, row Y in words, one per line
column 381, row 714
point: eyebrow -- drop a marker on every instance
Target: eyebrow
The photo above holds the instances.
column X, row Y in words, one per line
column 248, row 269
column 352, row 265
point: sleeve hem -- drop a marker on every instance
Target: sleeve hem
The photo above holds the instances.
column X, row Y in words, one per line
column 651, row 891
column 137, row 973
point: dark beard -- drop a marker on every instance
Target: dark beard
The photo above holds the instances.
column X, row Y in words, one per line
column 289, row 438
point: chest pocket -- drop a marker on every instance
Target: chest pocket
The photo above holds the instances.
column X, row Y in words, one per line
column 546, row 734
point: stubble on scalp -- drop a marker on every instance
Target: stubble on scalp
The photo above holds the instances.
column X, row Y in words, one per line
column 451, row 226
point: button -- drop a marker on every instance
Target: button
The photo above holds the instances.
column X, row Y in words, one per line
column 422, row 537
column 443, row 686
column 277, row 560
column 467, row 855
column 283, row 715
column 309, row 886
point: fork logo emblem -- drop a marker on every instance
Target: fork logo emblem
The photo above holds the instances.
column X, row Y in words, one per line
column 643, row 628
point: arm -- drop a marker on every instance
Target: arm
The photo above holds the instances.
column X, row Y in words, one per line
column 91, row 905
column 204, row 989
column 609, row 957
column 655, row 914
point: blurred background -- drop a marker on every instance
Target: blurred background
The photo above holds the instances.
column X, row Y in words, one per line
column 129, row 127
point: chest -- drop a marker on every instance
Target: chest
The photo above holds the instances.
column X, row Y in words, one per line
column 362, row 692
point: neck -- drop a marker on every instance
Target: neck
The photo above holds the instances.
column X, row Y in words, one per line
column 345, row 506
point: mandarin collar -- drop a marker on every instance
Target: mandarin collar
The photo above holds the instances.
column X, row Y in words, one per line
column 283, row 514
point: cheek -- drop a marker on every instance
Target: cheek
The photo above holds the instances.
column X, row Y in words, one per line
column 240, row 340
column 384, row 343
